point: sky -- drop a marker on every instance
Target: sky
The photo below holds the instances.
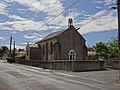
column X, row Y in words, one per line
column 31, row 20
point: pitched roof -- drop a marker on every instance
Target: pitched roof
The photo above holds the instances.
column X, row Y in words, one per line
column 52, row 35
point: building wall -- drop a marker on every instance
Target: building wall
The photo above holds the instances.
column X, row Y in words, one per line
column 45, row 52
column 61, row 45
column 71, row 39
column 27, row 56
column 33, row 53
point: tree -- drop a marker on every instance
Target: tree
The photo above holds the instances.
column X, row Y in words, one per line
column 112, row 48
column 3, row 50
column 21, row 50
column 101, row 50
column 107, row 50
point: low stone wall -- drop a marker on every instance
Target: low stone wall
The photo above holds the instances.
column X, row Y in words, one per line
column 115, row 64
column 66, row 65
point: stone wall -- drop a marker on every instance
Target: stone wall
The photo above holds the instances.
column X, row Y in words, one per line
column 35, row 53
column 71, row 39
column 66, row 65
column 115, row 64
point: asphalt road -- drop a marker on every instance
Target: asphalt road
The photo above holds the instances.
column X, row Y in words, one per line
column 21, row 77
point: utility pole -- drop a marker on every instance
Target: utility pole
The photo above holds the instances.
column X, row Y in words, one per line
column 14, row 51
column 10, row 55
column 118, row 7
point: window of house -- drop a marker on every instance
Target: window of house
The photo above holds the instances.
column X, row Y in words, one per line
column 72, row 55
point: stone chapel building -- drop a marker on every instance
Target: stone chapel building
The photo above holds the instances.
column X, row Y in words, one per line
column 62, row 45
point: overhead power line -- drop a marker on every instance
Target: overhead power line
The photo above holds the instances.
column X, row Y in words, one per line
column 55, row 1
column 55, row 4
column 98, row 16
column 60, row 13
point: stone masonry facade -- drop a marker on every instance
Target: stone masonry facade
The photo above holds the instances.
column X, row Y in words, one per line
column 62, row 45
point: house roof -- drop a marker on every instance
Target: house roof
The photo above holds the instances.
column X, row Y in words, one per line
column 52, row 35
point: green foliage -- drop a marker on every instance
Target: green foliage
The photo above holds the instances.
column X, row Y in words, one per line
column 3, row 51
column 101, row 50
column 106, row 50
column 112, row 48
column 92, row 57
column 22, row 57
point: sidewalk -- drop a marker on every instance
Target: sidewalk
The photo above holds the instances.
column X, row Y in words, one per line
column 106, row 76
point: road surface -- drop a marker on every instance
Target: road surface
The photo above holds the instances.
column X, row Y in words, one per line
column 21, row 77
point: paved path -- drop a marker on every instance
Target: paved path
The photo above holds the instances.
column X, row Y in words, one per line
column 108, row 76
column 4, row 86
column 21, row 77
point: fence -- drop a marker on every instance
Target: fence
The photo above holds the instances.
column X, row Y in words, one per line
column 66, row 65
column 115, row 64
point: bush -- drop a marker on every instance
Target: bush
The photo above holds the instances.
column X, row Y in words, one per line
column 22, row 57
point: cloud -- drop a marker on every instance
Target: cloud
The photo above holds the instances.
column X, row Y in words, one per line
column 19, row 47
column 98, row 7
column 32, row 36
column 14, row 32
column 27, row 25
column 22, row 24
column 3, row 7
column 104, row 23
column 108, row 2
column 1, row 38
column 29, row 36
column 46, row 7
column 105, row 2
column 97, row 1
column 24, row 44
column 37, row 39
column 16, row 46
column 50, row 8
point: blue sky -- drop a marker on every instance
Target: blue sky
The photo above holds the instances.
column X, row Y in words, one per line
column 27, row 20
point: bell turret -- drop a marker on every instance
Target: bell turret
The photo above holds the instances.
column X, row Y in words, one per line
column 70, row 22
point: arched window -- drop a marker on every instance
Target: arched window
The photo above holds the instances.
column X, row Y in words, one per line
column 51, row 48
column 43, row 50
column 72, row 55
column 46, row 52
column 39, row 45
